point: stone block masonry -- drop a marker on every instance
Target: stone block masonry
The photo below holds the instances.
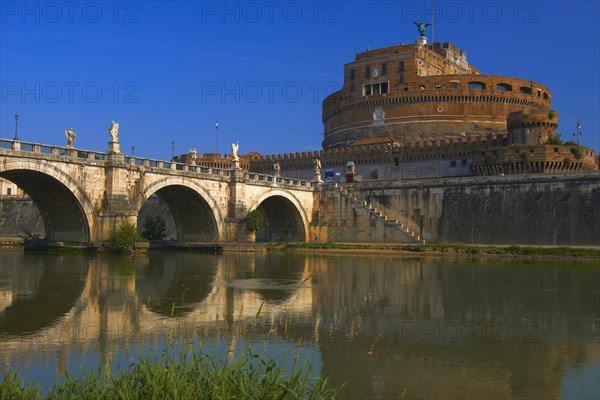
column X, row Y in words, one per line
column 534, row 209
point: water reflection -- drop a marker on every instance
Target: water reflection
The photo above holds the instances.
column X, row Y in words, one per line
column 383, row 325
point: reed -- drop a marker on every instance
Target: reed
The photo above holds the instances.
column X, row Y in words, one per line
column 189, row 375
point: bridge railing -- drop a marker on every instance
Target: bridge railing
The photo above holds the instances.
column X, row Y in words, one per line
column 207, row 172
column 175, row 166
column 39, row 148
column 270, row 179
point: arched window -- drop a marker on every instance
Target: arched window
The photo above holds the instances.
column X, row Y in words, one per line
column 525, row 90
column 476, row 86
column 504, row 87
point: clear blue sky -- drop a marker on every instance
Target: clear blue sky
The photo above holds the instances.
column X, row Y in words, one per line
column 166, row 71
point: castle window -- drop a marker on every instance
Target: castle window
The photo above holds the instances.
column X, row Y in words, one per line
column 384, row 87
column 464, row 161
column 503, row 87
column 453, row 85
column 8, row 191
column 406, row 88
column 401, row 65
column 453, row 163
column 367, row 72
column 438, row 86
column 401, row 79
column 556, row 149
column 396, row 161
column 383, row 69
column 525, row 90
column 352, row 86
column 545, row 96
column 476, row 86
column 376, row 88
column 352, row 74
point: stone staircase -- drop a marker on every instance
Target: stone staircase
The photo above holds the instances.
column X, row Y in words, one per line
column 378, row 214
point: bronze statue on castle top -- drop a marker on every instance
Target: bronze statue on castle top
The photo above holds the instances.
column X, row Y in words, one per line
column 421, row 27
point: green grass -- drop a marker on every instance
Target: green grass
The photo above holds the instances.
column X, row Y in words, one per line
column 458, row 248
column 190, row 375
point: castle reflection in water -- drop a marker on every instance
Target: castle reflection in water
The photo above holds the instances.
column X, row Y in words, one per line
column 385, row 325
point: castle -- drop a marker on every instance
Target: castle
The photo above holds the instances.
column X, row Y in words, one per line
column 421, row 110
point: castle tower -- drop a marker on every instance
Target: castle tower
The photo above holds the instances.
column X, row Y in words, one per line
column 531, row 126
column 423, row 92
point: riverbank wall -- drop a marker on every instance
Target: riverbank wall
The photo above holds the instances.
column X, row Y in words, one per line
column 525, row 209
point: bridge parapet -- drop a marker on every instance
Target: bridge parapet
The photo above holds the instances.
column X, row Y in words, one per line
column 271, row 180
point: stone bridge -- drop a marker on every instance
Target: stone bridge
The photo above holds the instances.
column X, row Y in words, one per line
column 83, row 195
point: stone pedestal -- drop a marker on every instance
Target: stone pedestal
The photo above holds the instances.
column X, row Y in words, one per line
column 16, row 145
column 422, row 41
column 235, row 164
column 114, row 147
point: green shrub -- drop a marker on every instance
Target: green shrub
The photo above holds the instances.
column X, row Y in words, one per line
column 123, row 239
column 567, row 161
column 255, row 220
column 554, row 139
column 154, row 228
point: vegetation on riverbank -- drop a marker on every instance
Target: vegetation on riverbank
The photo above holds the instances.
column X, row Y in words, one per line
column 124, row 238
column 190, row 375
column 446, row 248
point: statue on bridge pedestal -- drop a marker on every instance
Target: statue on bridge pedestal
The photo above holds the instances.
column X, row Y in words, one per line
column 194, row 156
column 317, row 164
column 113, row 130
column 70, row 137
column 277, row 169
column 234, row 151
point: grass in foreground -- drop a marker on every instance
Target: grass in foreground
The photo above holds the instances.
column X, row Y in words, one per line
column 189, row 376
column 458, row 248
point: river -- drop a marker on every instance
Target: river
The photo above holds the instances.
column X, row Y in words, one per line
column 385, row 326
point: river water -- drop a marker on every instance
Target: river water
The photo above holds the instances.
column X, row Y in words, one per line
column 385, row 326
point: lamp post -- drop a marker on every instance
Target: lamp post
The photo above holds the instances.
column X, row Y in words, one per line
column 578, row 133
column 172, row 151
column 132, row 151
column 216, row 136
column 16, row 139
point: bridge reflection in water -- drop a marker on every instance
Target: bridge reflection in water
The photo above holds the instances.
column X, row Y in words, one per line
column 385, row 325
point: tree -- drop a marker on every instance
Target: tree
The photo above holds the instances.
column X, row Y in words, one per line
column 123, row 239
column 255, row 220
column 154, row 228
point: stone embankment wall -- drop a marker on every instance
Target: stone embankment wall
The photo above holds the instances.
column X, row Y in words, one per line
column 540, row 210
column 18, row 214
column 344, row 218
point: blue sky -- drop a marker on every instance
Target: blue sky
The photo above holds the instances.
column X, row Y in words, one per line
column 166, row 71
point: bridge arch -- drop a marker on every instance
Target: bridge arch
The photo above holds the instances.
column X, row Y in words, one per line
column 65, row 208
column 196, row 214
column 285, row 217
